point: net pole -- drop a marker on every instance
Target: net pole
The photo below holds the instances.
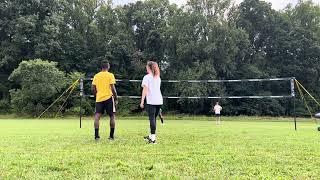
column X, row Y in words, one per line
column 81, row 96
column 294, row 112
column 293, row 95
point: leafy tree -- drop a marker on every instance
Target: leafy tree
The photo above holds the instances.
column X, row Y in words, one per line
column 203, row 70
column 39, row 81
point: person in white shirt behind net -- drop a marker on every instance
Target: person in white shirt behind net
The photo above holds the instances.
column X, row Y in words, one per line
column 217, row 111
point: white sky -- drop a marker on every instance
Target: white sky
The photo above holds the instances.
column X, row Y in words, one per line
column 276, row 4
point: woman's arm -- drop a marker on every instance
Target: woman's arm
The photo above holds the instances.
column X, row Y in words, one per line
column 143, row 96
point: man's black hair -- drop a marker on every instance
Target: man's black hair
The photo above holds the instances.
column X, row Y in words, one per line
column 105, row 65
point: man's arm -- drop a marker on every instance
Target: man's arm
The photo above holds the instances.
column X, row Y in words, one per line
column 114, row 92
column 94, row 90
column 94, row 87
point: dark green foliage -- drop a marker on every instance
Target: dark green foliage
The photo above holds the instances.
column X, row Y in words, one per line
column 39, row 81
column 211, row 39
column 5, row 106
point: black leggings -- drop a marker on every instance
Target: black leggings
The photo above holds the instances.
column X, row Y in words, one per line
column 153, row 112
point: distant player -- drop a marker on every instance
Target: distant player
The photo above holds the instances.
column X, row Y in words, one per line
column 103, row 87
column 160, row 115
column 217, row 111
column 151, row 92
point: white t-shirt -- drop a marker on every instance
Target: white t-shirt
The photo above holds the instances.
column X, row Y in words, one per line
column 154, row 96
column 217, row 109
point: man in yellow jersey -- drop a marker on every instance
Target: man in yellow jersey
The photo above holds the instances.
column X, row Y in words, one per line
column 103, row 87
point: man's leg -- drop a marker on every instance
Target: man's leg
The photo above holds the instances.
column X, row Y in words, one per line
column 111, row 109
column 97, row 116
column 96, row 125
column 112, row 126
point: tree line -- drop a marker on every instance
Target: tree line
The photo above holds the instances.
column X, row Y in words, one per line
column 47, row 44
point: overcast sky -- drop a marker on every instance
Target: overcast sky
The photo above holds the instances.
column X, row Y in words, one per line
column 276, row 4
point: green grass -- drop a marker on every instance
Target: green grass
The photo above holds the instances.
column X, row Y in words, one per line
column 240, row 148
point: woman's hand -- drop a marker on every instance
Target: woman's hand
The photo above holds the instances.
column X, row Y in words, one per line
column 143, row 96
column 142, row 105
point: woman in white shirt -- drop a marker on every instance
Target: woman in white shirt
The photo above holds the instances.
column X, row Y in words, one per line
column 152, row 94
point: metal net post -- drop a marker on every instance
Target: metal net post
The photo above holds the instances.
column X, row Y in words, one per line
column 81, row 96
column 293, row 95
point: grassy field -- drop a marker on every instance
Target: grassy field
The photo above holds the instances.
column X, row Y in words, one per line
column 188, row 148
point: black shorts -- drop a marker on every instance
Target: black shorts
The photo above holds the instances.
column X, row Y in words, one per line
column 217, row 115
column 107, row 105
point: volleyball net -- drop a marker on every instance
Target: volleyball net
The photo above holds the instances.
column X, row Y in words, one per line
column 288, row 86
